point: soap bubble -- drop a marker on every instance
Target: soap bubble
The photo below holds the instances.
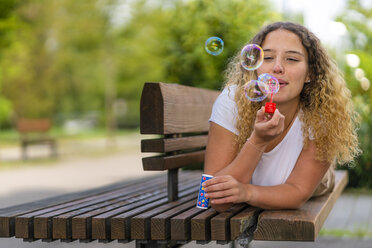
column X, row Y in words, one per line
column 251, row 57
column 214, row 45
column 271, row 82
column 256, row 90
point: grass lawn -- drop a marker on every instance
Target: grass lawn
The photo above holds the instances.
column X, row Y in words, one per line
column 10, row 138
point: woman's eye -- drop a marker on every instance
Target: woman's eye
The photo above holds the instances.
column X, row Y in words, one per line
column 293, row 59
column 267, row 58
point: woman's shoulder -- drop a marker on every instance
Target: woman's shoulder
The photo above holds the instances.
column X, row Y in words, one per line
column 224, row 111
column 228, row 94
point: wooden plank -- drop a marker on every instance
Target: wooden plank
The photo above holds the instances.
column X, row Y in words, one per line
column 66, row 226
column 24, row 224
column 173, row 144
column 220, row 224
column 181, row 224
column 119, row 224
column 160, row 224
column 141, row 224
column 151, row 110
column 243, row 221
column 201, row 226
column 306, row 221
column 159, row 163
column 7, row 215
column 172, row 108
column 78, row 224
column 82, row 224
column 34, row 125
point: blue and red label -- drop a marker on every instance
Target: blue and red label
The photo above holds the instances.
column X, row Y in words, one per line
column 203, row 202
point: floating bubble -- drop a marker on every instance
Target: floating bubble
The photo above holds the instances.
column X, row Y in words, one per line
column 256, row 90
column 271, row 82
column 251, row 57
column 214, row 45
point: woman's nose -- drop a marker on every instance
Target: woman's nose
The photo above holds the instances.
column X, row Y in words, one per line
column 278, row 67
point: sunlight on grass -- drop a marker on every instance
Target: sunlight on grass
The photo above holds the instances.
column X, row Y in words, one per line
column 357, row 233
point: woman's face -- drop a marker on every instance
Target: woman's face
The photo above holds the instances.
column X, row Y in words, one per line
column 286, row 59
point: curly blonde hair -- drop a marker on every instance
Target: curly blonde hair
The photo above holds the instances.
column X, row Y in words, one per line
column 327, row 111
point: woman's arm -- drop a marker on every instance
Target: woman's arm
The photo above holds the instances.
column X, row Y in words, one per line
column 222, row 157
column 298, row 188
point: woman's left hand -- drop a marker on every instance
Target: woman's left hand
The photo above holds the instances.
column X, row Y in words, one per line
column 226, row 189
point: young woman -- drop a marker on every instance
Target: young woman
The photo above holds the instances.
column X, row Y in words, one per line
column 280, row 161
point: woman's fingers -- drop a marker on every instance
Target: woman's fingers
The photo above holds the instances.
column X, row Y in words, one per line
column 276, row 121
column 260, row 116
column 216, row 180
column 220, row 194
column 224, row 189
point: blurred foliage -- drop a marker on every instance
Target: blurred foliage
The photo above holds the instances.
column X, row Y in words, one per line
column 8, row 23
column 69, row 56
column 358, row 21
column 54, row 61
column 165, row 42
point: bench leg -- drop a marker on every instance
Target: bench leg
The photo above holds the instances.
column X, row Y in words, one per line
column 53, row 148
column 156, row 244
column 172, row 185
column 24, row 150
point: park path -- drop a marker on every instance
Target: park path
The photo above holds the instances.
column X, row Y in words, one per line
column 92, row 163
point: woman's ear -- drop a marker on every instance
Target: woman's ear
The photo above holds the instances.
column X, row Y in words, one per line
column 307, row 80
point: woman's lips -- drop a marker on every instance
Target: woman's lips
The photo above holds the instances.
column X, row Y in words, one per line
column 282, row 83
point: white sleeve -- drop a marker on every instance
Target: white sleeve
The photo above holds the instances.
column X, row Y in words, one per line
column 224, row 111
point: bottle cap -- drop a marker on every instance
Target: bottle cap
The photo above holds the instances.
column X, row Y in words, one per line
column 270, row 107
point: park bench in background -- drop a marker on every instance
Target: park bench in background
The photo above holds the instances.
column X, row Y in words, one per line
column 35, row 131
column 160, row 211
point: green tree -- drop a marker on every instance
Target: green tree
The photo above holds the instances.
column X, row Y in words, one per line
column 54, row 64
column 165, row 42
column 357, row 19
column 8, row 23
column 68, row 56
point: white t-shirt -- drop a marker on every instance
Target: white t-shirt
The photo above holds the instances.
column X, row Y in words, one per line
column 275, row 166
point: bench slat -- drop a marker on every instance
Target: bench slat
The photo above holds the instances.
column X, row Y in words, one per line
column 243, row 221
column 220, row 224
column 159, row 163
column 98, row 219
column 63, row 225
column 24, row 223
column 160, row 224
column 173, row 144
column 181, row 224
column 102, row 224
column 200, row 225
column 187, row 109
column 59, row 219
column 306, row 221
column 140, row 224
column 7, row 215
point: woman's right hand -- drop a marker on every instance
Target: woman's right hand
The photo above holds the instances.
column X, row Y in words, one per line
column 267, row 128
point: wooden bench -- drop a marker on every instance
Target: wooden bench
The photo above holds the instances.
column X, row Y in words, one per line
column 35, row 131
column 160, row 211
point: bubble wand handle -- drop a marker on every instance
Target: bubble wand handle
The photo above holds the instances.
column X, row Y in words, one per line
column 270, row 106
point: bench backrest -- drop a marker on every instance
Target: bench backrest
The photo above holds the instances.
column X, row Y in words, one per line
column 179, row 114
column 33, row 125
